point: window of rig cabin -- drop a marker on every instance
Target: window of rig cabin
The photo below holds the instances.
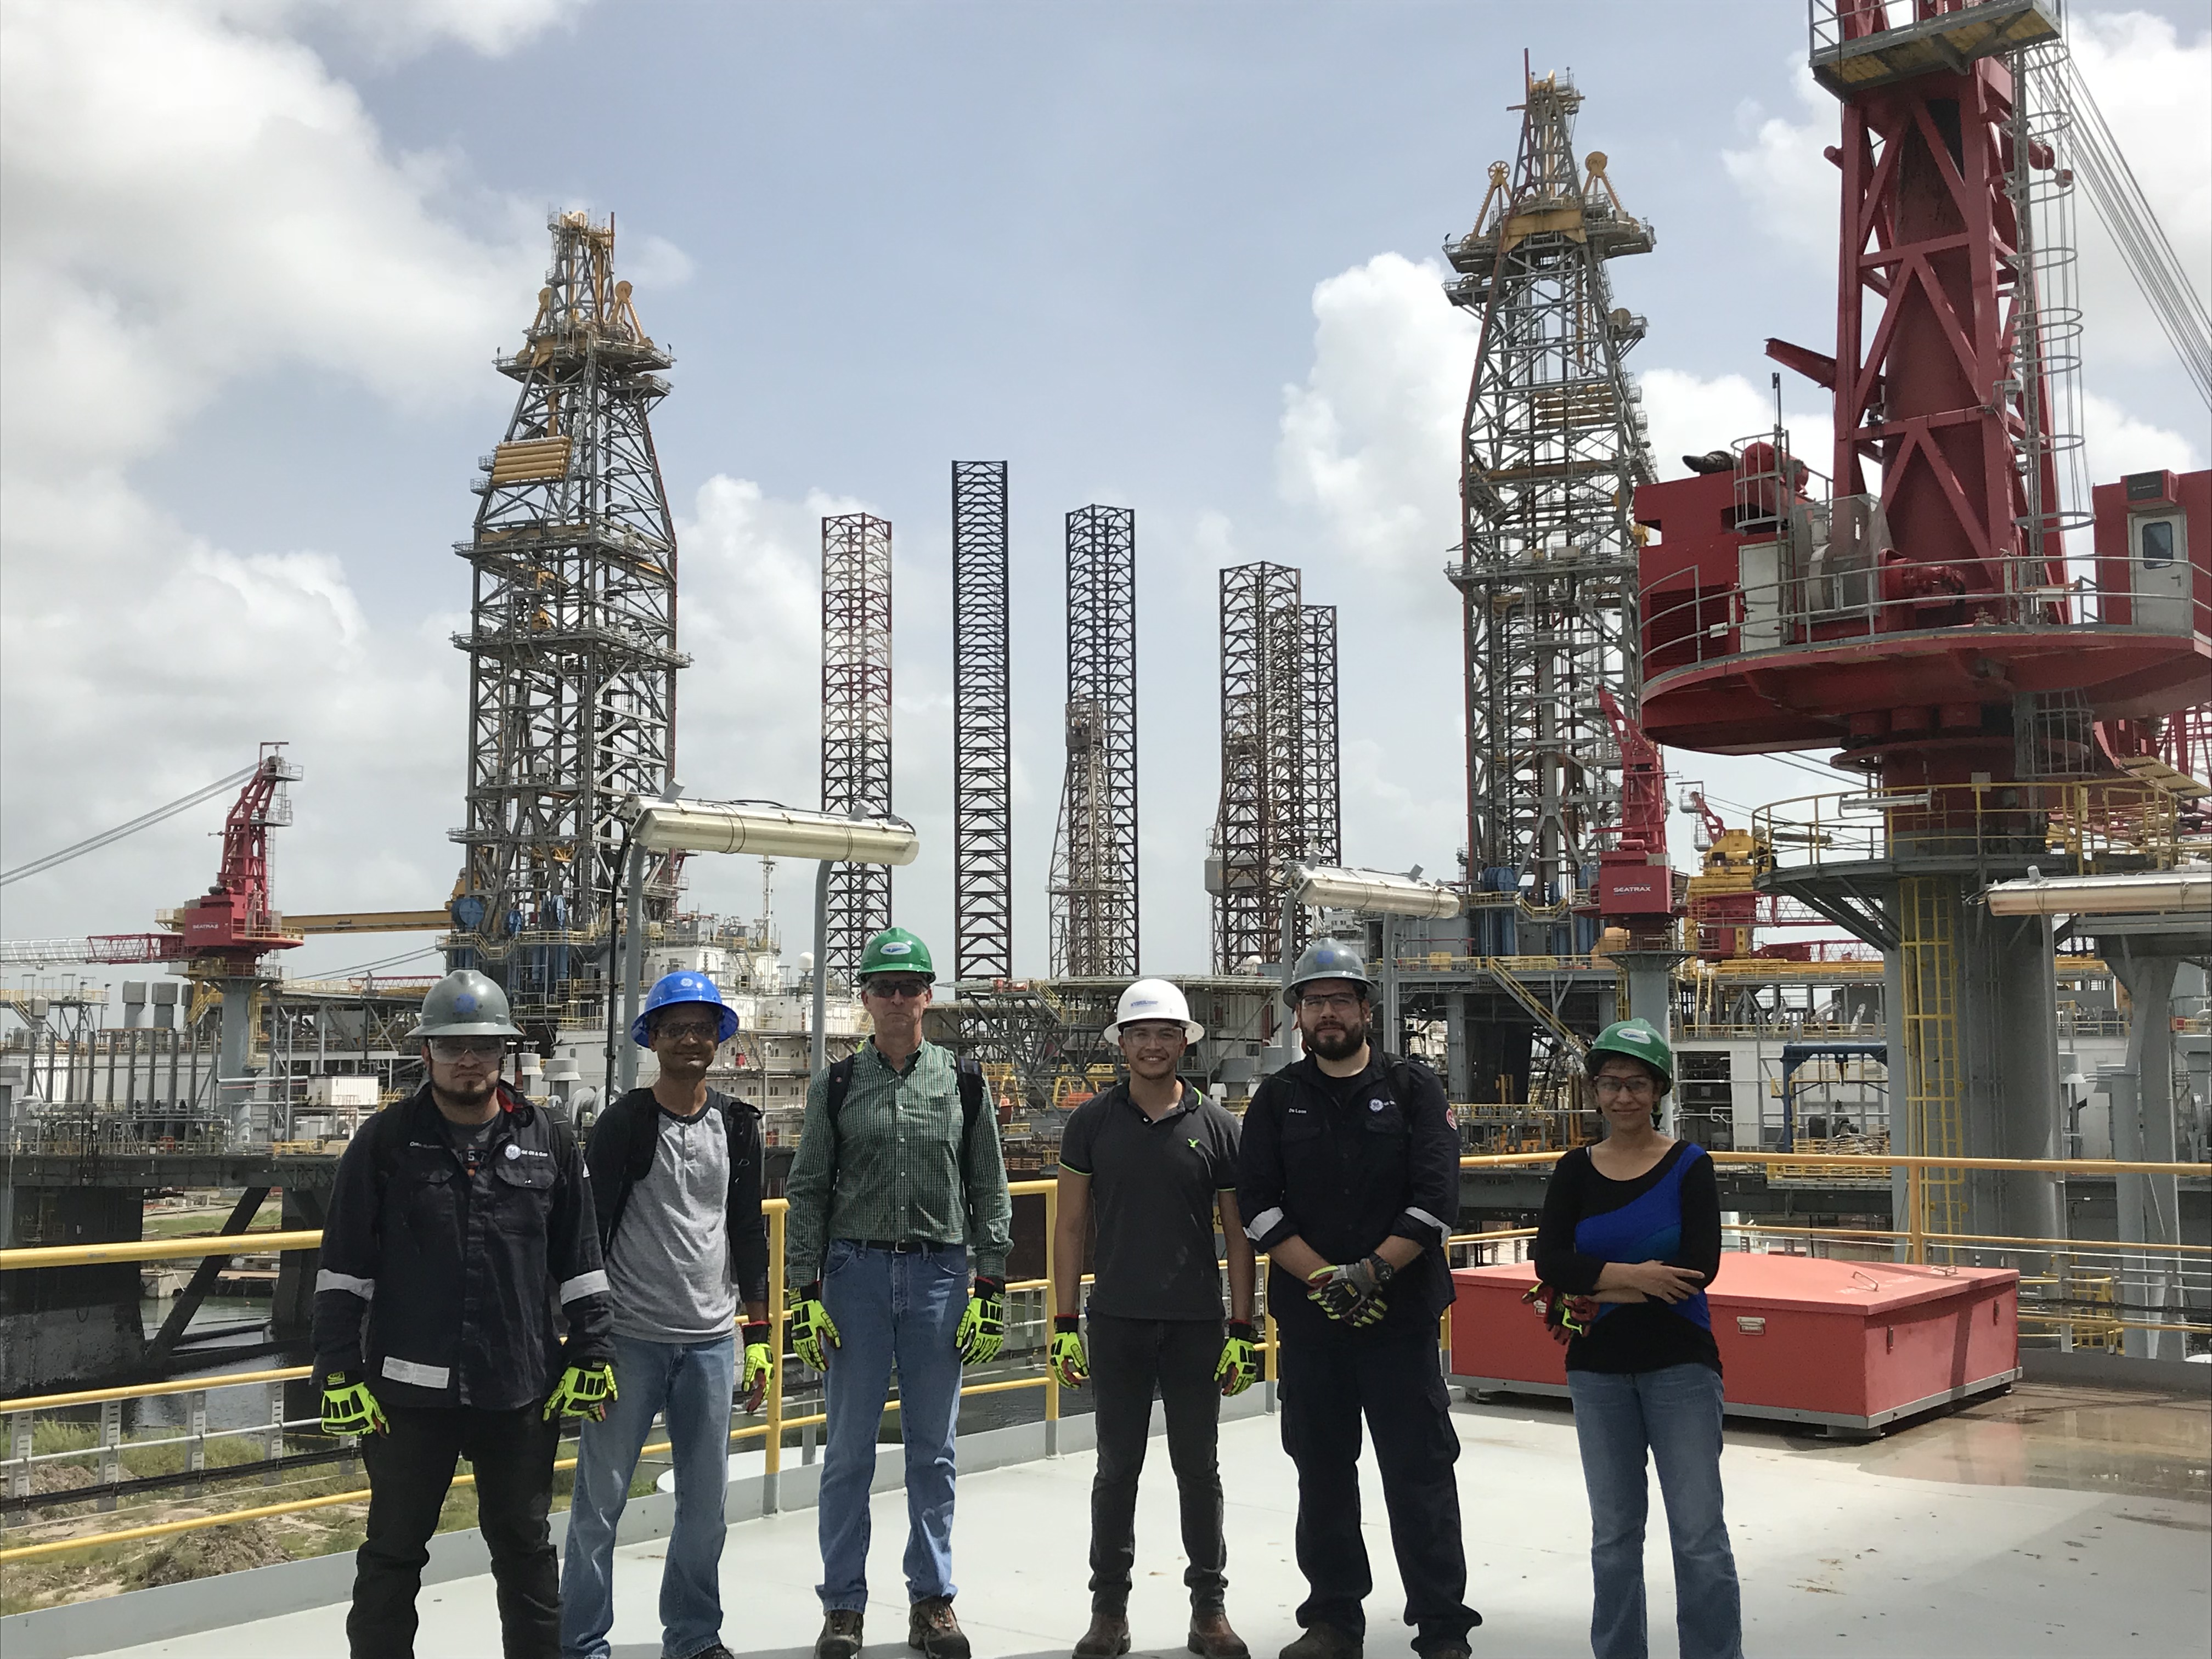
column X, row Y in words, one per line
column 2154, row 540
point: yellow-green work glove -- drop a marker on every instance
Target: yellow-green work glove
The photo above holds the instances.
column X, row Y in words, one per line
column 1238, row 1368
column 813, row 1335
column 582, row 1391
column 349, row 1408
column 983, row 1324
column 1069, row 1362
column 759, row 1367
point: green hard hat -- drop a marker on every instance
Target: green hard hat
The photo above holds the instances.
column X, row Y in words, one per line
column 1638, row 1039
column 895, row 950
column 466, row 1003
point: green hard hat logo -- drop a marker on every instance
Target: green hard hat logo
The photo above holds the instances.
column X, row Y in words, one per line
column 1636, row 1039
column 896, row 950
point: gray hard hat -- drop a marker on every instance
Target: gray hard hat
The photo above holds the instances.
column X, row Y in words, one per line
column 466, row 1003
column 1326, row 959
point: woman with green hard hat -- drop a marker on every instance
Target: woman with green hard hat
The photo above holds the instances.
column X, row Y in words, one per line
column 1629, row 1238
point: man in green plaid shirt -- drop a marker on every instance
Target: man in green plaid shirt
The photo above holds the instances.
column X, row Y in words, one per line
column 898, row 1183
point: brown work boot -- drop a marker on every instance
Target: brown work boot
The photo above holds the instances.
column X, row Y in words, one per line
column 930, row 1627
column 1211, row 1637
column 839, row 1637
column 1109, row 1636
column 1324, row 1642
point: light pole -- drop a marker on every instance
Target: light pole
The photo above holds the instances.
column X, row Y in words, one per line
column 767, row 831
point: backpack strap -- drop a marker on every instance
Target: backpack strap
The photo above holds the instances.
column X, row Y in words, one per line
column 970, row 1076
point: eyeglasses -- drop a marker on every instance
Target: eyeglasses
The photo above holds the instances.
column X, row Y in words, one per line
column 898, row 988
column 450, row 1049
column 1341, row 1002
column 1607, row 1084
column 691, row 1030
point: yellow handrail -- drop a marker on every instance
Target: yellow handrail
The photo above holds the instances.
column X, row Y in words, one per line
column 773, row 1429
column 68, row 1255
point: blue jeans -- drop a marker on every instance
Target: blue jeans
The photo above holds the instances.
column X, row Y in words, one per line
column 1675, row 1413
column 890, row 1308
column 692, row 1383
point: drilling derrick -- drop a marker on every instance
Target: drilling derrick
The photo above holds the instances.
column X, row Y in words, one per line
column 572, row 639
column 856, row 720
column 1094, row 852
column 982, row 727
column 1280, row 793
column 1555, row 447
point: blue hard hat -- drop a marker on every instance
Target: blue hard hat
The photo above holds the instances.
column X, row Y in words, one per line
column 686, row 987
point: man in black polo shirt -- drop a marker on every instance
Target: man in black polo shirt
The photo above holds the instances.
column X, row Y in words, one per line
column 1158, row 1160
column 1349, row 1168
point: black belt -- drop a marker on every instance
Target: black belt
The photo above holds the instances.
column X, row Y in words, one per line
column 899, row 1246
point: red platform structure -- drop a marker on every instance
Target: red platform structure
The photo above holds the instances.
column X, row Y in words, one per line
column 1853, row 1345
column 1994, row 695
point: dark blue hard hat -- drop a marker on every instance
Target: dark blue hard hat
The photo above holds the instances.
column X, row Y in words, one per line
column 687, row 987
column 1326, row 959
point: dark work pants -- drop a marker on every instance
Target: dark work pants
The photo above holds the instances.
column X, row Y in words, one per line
column 410, row 1472
column 1329, row 1382
column 1131, row 1360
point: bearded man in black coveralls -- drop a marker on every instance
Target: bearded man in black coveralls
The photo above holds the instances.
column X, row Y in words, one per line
column 1348, row 1172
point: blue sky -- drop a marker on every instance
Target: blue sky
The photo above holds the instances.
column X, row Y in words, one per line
column 258, row 256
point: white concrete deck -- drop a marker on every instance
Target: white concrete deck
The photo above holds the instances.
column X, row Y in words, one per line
column 2054, row 1522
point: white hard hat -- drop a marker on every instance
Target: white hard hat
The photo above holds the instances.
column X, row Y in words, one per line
column 1153, row 998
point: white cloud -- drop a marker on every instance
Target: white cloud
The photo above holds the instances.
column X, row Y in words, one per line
column 1782, row 169
column 2150, row 85
column 1371, row 441
column 186, row 199
column 656, row 262
column 1691, row 414
column 2115, row 442
column 395, row 29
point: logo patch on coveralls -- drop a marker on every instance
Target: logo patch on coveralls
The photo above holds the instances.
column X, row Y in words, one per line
column 1376, row 1105
column 514, row 1151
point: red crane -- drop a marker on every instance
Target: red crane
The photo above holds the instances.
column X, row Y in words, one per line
column 1635, row 882
column 227, row 930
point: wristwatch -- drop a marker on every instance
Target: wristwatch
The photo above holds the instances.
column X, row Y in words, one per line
column 1383, row 1271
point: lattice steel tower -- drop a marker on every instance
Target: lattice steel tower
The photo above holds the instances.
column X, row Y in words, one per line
column 1094, row 851
column 1554, row 447
column 982, row 728
column 1279, row 795
column 856, row 720
column 571, row 639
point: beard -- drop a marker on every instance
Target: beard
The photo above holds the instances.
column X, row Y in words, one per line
column 1337, row 1043
column 467, row 1096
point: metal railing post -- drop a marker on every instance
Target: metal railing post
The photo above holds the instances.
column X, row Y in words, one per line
column 272, row 1438
column 196, row 1432
column 1051, row 1305
column 20, row 1441
column 1916, row 1221
column 111, row 1451
column 772, row 1465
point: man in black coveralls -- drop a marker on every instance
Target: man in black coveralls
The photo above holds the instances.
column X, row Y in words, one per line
column 1349, row 1173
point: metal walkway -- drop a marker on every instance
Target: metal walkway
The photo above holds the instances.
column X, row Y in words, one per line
column 2058, row 1520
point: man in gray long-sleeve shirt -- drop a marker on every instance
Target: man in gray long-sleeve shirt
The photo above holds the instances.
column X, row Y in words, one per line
column 677, row 1175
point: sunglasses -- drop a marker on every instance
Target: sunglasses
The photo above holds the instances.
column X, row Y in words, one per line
column 897, row 988
column 690, row 1030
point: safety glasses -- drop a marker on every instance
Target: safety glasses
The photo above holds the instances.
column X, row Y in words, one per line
column 450, row 1049
column 690, row 1030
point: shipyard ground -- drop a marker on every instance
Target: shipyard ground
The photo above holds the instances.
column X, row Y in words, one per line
column 2058, row 1519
